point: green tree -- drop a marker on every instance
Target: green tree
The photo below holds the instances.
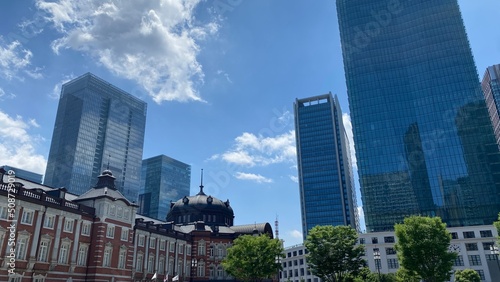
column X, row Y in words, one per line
column 497, row 224
column 333, row 254
column 422, row 248
column 253, row 258
column 467, row 275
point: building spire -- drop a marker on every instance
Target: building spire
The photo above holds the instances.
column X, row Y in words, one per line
column 201, row 184
column 109, row 157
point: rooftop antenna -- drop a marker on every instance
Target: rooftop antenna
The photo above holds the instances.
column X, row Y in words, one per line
column 109, row 157
column 276, row 231
column 201, row 184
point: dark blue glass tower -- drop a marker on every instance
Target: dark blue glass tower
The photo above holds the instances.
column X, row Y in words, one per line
column 424, row 142
column 327, row 193
column 491, row 90
column 98, row 126
column 163, row 180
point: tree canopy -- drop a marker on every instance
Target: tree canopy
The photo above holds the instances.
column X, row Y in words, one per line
column 467, row 275
column 333, row 254
column 422, row 248
column 253, row 258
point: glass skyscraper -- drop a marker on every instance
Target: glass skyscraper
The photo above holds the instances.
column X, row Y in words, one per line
column 491, row 90
column 97, row 127
column 327, row 193
column 163, row 180
column 424, row 141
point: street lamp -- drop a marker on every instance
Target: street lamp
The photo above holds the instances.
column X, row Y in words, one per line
column 194, row 264
column 376, row 256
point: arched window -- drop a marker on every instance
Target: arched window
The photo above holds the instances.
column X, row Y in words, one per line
column 201, row 269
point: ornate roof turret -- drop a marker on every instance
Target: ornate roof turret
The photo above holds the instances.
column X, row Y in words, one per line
column 201, row 207
column 106, row 179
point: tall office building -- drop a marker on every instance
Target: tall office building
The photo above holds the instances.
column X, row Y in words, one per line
column 327, row 193
column 491, row 91
column 163, row 180
column 97, row 127
column 424, row 143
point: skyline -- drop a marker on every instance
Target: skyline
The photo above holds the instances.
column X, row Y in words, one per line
column 245, row 74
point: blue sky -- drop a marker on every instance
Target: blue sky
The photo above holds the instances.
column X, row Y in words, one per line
column 220, row 78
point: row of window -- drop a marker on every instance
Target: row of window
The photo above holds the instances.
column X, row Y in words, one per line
column 163, row 245
column 454, row 235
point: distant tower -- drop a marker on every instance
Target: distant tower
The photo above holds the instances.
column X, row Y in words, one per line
column 94, row 120
column 327, row 193
column 163, row 180
column 491, row 90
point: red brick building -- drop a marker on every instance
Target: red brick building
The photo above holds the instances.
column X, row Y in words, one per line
column 48, row 235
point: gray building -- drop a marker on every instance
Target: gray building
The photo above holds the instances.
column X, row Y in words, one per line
column 25, row 174
column 424, row 140
column 327, row 192
column 98, row 126
column 491, row 90
column 163, row 180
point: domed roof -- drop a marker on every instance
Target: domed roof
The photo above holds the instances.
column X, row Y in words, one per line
column 201, row 208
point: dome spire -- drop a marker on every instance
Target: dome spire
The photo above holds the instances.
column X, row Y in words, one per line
column 201, row 185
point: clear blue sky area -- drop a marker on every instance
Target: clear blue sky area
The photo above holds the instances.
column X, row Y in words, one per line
column 220, row 78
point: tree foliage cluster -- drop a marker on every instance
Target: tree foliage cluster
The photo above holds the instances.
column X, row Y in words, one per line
column 422, row 249
column 253, row 258
column 333, row 254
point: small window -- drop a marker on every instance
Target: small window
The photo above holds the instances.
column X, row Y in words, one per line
column 68, row 225
column 110, row 232
column 454, row 235
column 487, row 246
column 141, row 241
column 459, row 261
column 138, row 265
column 86, row 229
column 27, row 217
column 374, row 240
column 469, row 234
column 162, row 245
column 63, row 254
column 390, row 251
column 362, row 241
column 474, row 260
column 3, row 212
column 119, row 212
column 152, row 243
column 471, row 247
column 48, row 221
column 486, row 233
column 481, row 274
column 106, row 261
column 124, row 236
column 301, row 252
column 389, row 239
column 392, row 263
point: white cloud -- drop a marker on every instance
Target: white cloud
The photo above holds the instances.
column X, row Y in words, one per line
column 225, row 74
column 154, row 43
column 13, row 59
column 253, row 177
column 346, row 120
column 295, row 234
column 56, row 92
column 251, row 150
column 294, row 178
column 17, row 146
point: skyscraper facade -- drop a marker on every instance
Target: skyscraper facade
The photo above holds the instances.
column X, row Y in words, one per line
column 491, row 91
column 327, row 193
column 424, row 142
column 97, row 127
column 163, row 180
